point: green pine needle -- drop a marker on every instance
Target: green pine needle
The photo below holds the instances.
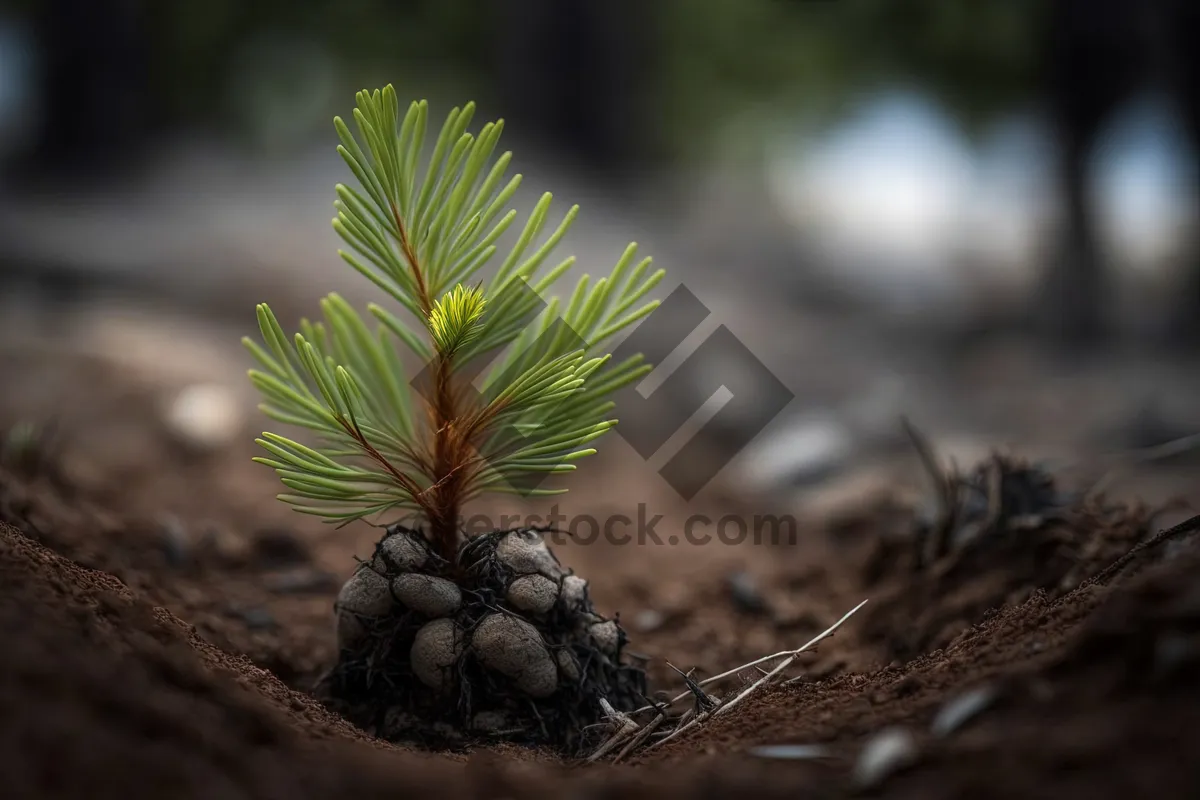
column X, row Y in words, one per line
column 421, row 228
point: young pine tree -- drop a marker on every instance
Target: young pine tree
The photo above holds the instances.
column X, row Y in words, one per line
column 514, row 387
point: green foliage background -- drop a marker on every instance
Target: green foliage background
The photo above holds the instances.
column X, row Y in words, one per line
column 713, row 58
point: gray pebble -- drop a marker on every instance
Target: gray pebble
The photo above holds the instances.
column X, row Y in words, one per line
column 886, row 753
column 435, row 650
column 747, row 597
column 533, row 593
column 405, row 550
column 958, row 711
column 568, row 665
column 526, row 554
column 607, row 636
column 365, row 594
column 574, row 592
column 426, row 594
column 649, row 620
column 791, row 752
column 514, row 648
column 176, row 544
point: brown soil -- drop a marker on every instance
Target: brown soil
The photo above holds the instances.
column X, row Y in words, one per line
column 163, row 620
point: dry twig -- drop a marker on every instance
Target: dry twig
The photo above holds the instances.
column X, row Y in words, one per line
column 1182, row 530
column 944, row 492
column 624, row 728
column 1124, row 461
column 723, row 707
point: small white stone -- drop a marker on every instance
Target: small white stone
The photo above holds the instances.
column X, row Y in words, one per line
column 426, row 594
column 959, row 711
column 607, row 636
column 405, row 551
column 435, row 650
column 514, row 648
column 791, row 752
column 533, row 593
column 574, row 592
column 885, row 754
column 525, row 553
column 205, row 415
column 802, row 451
column 649, row 620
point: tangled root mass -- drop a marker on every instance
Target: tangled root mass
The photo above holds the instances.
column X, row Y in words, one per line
column 503, row 644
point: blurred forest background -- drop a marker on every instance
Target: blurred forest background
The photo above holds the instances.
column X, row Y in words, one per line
column 856, row 187
column 916, row 138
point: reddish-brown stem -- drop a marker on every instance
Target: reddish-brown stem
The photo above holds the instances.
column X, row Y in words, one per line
column 447, row 454
column 442, row 498
column 377, row 457
column 423, row 296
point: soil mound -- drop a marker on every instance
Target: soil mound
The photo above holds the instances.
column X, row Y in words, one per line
column 104, row 696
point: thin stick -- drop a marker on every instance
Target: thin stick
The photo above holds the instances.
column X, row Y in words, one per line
column 642, row 736
column 995, row 490
column 1145, row 455
column 937, row 475
column 1188, row 526
column 625, row 727
column 722, row 708
column 944, row 490
column 715, row 678
column 787, row 663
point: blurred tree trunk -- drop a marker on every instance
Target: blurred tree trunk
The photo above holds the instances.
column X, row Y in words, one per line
column 1098, row 54
column 1095, row 60
column 576, row 75
column 95, row 92
column 1183, row 54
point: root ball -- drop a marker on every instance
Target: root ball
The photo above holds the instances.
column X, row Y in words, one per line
column 499, row 643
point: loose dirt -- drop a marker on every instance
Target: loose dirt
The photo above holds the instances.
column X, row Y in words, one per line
column 164, row 619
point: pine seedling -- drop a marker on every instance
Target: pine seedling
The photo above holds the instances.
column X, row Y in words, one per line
column 513, row 389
